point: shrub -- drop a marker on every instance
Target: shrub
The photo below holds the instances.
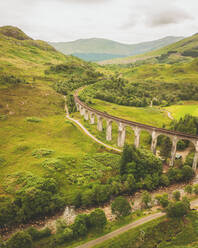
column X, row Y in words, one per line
column 187, row 173
column 88, row 198
column 176, row 195
column 68, row 234
column 164, row 181
column 33, row 119
column 80, row 225
column 195, row 189
column 36, row 234
column 162, row 200
column 121, row 206
column 20, row 240
column 146, row 199
column 98, row 219
column 42, row 152
column 188, row 189
column 178, row 209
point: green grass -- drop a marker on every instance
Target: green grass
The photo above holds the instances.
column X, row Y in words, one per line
column 179, row 111
column 160, row 233
column 148, row 115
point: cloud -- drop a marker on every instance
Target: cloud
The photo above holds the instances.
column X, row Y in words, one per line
column 85, row 1
column 166, row 17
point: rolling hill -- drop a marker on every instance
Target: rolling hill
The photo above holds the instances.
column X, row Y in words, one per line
column 97, row 49
column 185, row 48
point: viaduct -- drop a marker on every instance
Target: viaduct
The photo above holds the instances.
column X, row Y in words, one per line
column 91, row 114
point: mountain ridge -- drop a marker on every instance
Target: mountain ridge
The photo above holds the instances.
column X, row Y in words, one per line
column 97, row 46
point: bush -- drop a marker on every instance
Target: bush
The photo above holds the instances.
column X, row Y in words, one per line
column 146, row 199
column 80, row 225
column 98, row 219
column 178, row 209
column 87, row 198
column 164, row 180
column 36, row 234
column 20, row 240
column 33, row 119
column 188, row 189
column 187, row 173
column 64, row 236
column 42, row 152
column 162, row 200
column 120, row 207
column 195, row 189
column 176, row 195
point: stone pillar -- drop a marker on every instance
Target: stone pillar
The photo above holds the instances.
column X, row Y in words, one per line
column 92, row 118
column 173, row 151
column 77, row 107
column 137, row 136
column 99, row 124
column 86, row 114
column 154, row 142
column 109, row 130
column 195, row 161
column 121, row 134
column 82, row 110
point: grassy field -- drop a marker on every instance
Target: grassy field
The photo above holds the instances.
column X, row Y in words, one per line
column 178, row 111
column 33, row 120
column 148, row 115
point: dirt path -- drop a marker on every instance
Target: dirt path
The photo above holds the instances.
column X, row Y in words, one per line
column 87, row 132
column 126, row 228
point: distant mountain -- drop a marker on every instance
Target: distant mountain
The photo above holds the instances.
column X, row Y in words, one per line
column 97, row 49
column 185, row 48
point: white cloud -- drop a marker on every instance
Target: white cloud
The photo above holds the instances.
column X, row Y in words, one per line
column 122, row 20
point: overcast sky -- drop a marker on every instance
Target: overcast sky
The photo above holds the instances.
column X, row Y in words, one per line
column 128, row 21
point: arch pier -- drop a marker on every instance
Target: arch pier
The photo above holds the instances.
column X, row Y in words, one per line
column 92, row 114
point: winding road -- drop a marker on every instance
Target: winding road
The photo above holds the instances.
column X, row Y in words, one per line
column 126, row 228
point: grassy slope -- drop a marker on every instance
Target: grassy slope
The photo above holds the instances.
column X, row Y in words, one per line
column 159, row 233
column 178, row 111
column 22, row 57
column 179, row 72
column 28, row 58
column 180, row 46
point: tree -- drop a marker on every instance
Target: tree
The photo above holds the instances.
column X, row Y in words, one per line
column 146, row 199
column 187, row 173
column 126, row 158
column 178, row 209
column 176, row 195
column 20, row 240
column 130, row 184
column 80, row 225
column 164, row 180
column 121, row 206
column 188, row 189
column 195, row 189
column 165, row 147
column 98, row 219
column 162, row 200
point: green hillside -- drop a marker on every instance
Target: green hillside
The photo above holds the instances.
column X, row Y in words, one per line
column 96, row 49
column 187, row 47
column 38, row 146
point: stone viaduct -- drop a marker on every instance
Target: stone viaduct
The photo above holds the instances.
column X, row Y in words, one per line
column 91, row 114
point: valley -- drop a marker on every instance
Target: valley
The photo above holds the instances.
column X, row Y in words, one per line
column 52, row 159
